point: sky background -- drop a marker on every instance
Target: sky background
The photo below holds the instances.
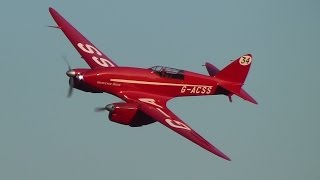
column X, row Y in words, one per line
column 44, row 135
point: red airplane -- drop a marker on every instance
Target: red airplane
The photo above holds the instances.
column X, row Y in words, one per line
column 145, row 92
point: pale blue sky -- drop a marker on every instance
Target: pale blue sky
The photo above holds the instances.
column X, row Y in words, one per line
column 44, row 135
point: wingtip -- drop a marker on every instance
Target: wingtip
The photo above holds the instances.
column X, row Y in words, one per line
column 223, row 156
column 219, row 153
column 52, row 11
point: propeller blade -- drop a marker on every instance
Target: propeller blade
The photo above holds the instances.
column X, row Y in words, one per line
column 67, row 62
column 71, row 83
column 70, row 73
column 99, row 109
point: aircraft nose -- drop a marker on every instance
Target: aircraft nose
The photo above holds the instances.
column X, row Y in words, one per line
column 110, row 107
column 71, row 73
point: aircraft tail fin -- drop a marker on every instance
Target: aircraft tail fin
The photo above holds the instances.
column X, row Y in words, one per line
column 233, row 76
column 236, row 71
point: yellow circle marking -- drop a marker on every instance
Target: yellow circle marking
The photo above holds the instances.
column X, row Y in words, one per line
column 245, row 60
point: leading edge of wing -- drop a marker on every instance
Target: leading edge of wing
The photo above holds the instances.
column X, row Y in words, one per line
column 91, row 54
column 170, row 120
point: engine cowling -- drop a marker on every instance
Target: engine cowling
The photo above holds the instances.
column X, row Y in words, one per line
column 128, row 114
column 83, row 87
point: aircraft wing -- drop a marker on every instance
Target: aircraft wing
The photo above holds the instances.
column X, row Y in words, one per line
column 155, row 107
column 91, row 54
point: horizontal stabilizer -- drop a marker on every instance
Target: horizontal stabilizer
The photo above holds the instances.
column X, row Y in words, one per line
column 212, row 70
column 237, row 90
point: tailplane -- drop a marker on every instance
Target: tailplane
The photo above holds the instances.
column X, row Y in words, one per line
column 212, row 70
column 233, row 76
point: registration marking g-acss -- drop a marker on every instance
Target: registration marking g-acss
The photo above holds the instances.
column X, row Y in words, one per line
column 196, row 89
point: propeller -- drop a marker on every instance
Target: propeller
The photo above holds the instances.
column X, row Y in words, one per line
column 100, row 109
column 109, row 107
column 71, row 74
column 70, row 91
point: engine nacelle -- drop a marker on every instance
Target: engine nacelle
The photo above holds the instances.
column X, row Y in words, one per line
column 128, row 114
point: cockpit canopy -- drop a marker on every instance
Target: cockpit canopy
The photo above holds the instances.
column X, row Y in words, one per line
column 168, row 72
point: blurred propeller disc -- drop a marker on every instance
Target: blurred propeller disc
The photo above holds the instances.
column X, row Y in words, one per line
column 100, row 109
column 71, row 74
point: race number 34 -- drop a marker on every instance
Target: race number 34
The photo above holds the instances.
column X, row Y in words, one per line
column 245, row 60
column 87, row 48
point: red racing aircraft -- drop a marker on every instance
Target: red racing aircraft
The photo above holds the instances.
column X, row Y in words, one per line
column 145, row 92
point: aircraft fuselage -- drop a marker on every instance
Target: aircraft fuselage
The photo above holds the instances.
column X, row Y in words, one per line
column 114, row 80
